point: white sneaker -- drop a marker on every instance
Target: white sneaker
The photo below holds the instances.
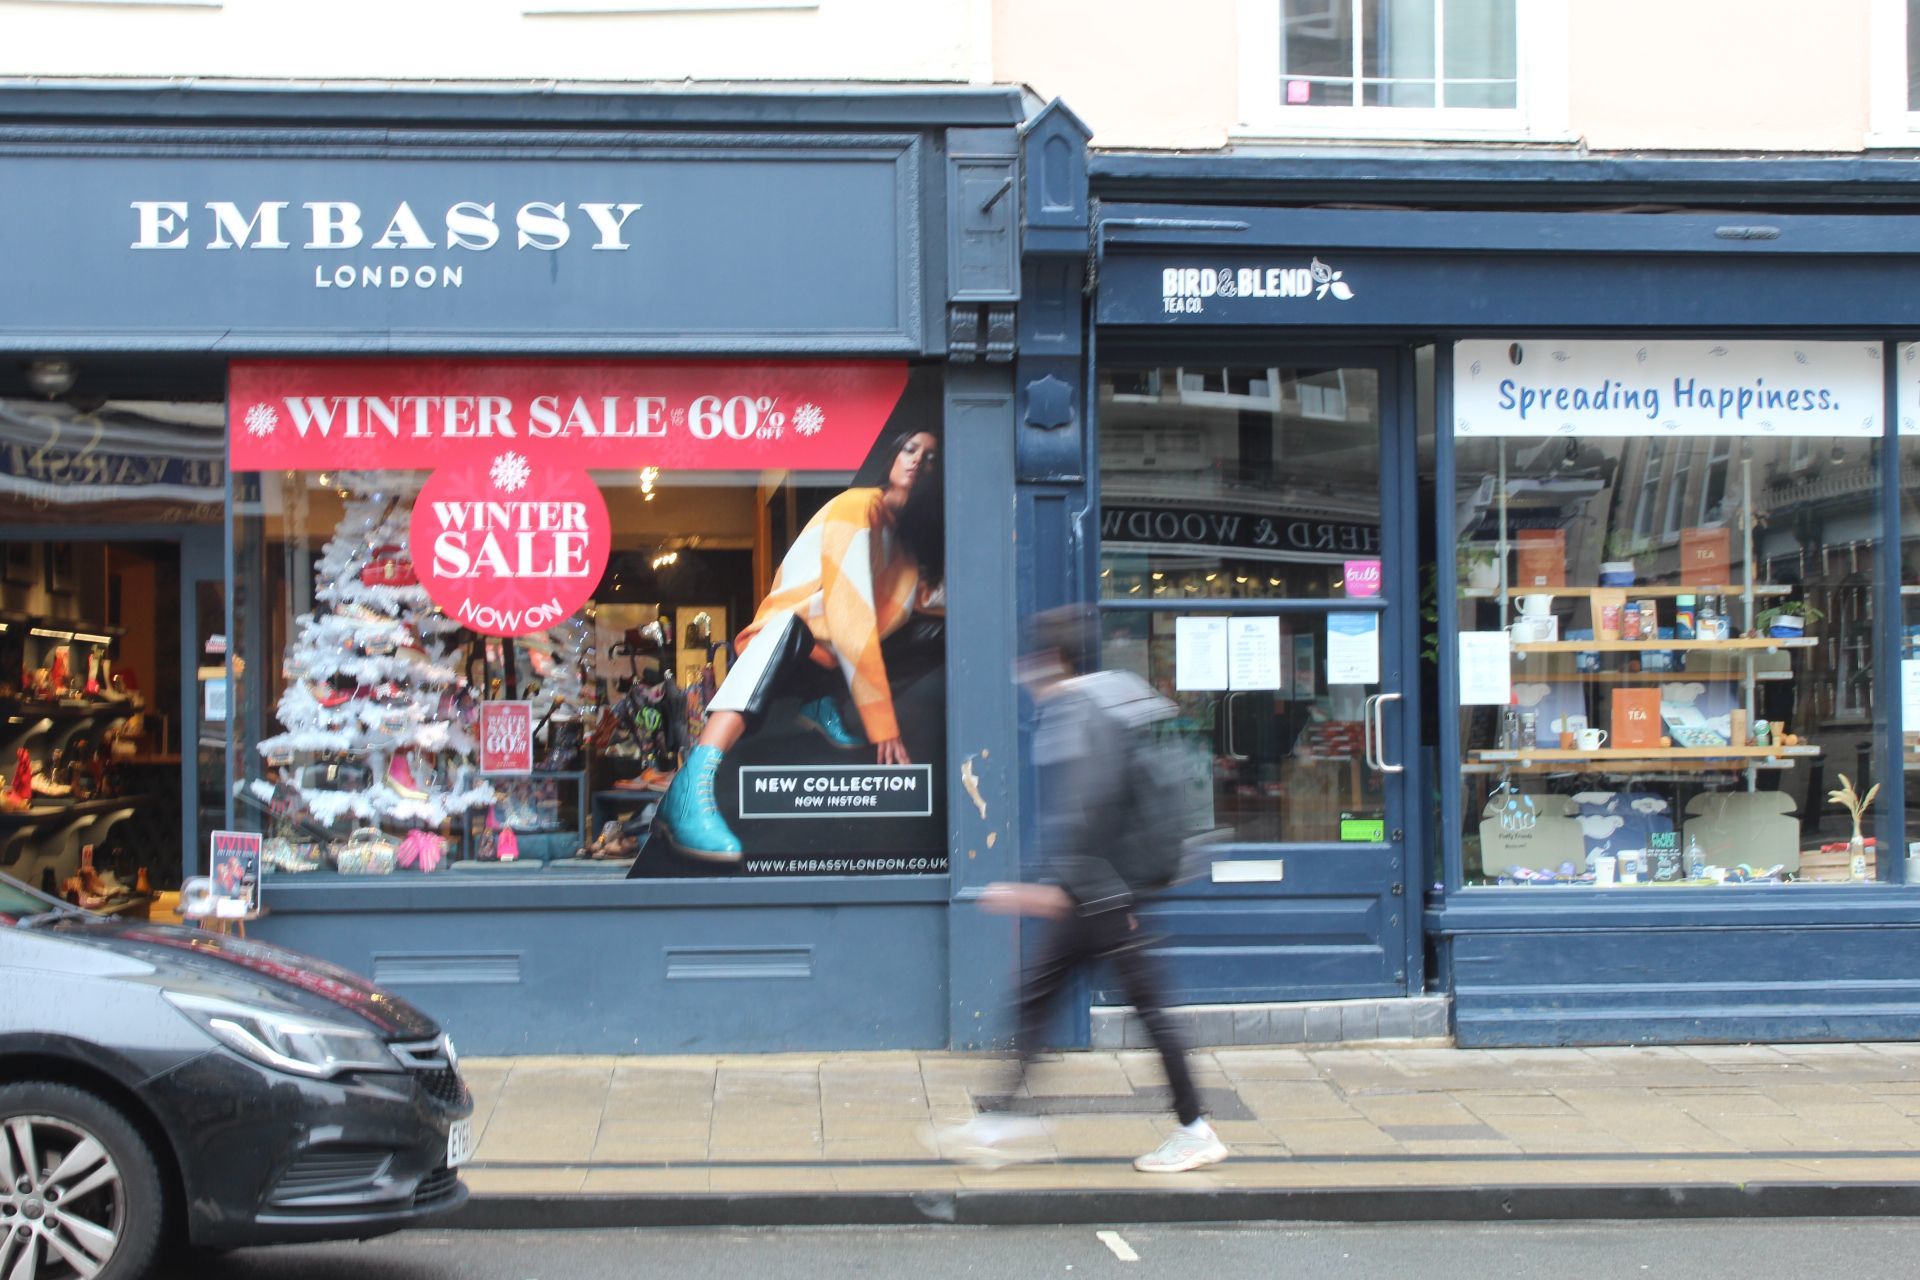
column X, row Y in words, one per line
column 990, row 1142
column 1183, row 1151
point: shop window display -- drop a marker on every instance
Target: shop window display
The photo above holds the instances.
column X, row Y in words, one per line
column 1664, row 583
column 615, row 648
column 1226, row 485
column 94, row 700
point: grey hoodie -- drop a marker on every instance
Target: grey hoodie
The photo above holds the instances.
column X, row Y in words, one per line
column 1080, row 744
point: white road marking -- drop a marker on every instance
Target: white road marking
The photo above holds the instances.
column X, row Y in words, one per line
column 1121, row 1249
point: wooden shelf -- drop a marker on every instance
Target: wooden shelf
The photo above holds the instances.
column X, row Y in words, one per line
column 50, row 812
column 1657, row 754
column 1756, row 644
column 1632, row 593
column 65, row 708
column 1660, row 768
column 1653, row 677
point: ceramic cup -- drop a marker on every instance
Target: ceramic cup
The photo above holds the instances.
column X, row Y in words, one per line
column 1590, row 739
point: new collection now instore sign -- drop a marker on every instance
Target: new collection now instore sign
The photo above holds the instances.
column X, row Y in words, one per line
column 510, row 534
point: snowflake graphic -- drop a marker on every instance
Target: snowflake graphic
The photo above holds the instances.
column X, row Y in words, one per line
column 261, row 421
column 510, row 472
column 809, row 418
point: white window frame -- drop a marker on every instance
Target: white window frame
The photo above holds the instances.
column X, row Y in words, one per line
column 1645, row 525
column 1889, row 123
column 1541, row 53
column 126, row 4
column 1719, row 454
column 1678, row 478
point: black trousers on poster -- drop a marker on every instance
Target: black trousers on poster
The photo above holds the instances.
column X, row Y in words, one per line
column 778, row 662
column 1110, row 936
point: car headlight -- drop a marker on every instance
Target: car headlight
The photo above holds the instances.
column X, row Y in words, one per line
column 287, row 1041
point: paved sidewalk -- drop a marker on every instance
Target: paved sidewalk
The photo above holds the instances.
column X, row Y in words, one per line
column 1390, row 1132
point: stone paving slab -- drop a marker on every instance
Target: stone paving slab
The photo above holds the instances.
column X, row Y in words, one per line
column 1715, row 1118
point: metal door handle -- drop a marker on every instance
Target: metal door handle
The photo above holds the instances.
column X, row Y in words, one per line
column 1226, row 709
column 1367, row 745
column 1380, row 733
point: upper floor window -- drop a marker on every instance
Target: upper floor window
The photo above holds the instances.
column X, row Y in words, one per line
column 1895, row 81
column 1403, row 68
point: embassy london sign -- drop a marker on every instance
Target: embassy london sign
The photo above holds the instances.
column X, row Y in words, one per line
column 745, row 245
column 340, row 225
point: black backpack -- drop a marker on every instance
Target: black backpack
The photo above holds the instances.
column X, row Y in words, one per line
column 1155, row 822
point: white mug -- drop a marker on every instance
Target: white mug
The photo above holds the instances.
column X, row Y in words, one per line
column 1590, row 739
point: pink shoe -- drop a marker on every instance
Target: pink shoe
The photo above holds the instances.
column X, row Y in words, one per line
column 400, row 778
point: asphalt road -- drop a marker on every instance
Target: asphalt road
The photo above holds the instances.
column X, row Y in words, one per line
column 1779, row 1249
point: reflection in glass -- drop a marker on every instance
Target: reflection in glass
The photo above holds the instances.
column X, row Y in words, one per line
column 1394, row 50
column 1669, row 600
column 1237, row 482
column 1270, row 765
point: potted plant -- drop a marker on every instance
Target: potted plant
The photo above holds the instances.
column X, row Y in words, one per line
column 1786, row 621
column 1855, row 805
column 1622, row 550
column 1479, row 565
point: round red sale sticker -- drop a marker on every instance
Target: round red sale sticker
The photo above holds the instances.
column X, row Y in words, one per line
column 508, row 547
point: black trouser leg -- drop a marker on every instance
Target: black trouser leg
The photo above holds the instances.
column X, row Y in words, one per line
column 1062, row 949
column 1140, row 978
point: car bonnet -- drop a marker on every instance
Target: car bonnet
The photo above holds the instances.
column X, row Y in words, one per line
column 301, row 980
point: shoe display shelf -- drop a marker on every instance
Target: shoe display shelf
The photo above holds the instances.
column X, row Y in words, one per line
column 540, row 845
column 48, row 833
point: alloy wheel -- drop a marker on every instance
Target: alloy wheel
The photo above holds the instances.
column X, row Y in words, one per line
column 63, row 1203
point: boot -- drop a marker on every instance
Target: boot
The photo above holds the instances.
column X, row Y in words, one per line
column 822, row 715
column 400, row 778
column 689, row 819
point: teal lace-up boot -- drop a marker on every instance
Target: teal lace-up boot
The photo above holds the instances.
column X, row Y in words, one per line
column 689, row 818
column 822, row 715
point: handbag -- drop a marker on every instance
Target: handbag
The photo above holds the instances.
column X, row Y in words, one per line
column 369, row 851
column 335, row 776
column 390, row 568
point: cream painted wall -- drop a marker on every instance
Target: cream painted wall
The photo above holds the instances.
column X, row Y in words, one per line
column 1141, row 73
column 1749, row 75
column 880, row 40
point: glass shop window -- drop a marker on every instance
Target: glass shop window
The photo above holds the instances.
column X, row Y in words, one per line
column 599, row 651
column 1657, row 706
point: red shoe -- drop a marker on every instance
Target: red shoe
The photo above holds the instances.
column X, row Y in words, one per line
column 23, row 778
column 400, row 778
column 329, row 697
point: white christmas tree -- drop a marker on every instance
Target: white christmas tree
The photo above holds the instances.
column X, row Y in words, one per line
column 371, row 677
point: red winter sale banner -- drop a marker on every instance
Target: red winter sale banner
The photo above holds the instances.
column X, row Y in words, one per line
column 507, row 547
column 506, row 737
column 683, row 416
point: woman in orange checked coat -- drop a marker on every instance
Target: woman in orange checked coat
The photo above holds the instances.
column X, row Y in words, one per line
column 868, row 562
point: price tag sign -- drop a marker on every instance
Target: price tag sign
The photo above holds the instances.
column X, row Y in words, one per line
column 506, row 738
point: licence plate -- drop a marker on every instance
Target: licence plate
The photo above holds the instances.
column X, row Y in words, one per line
column 460, row 1143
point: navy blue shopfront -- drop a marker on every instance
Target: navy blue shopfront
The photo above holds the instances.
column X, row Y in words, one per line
column 1220, row 281
column 906, row 230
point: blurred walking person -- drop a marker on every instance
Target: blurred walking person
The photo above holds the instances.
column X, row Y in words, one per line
column 1105, row 847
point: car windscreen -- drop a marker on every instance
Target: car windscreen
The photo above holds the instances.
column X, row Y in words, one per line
column 18, row 902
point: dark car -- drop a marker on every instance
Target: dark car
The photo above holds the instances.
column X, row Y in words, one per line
column 161, row 1085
